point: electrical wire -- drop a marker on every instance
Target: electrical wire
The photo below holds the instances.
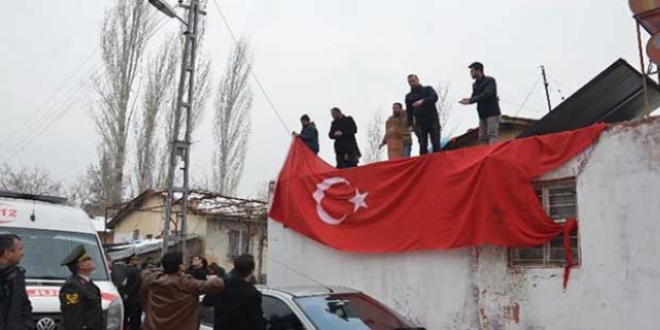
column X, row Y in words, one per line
column 528, row 95
column 252, row 72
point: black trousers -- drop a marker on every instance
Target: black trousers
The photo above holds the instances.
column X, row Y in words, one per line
column 347, row 160
column 132, row 316
column 425, row 130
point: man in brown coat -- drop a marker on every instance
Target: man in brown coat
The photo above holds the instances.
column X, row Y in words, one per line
column 171, row 298
column 397, row 134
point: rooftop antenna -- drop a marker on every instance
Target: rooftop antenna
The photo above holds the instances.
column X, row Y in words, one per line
column 545, row 84
column 301, row 274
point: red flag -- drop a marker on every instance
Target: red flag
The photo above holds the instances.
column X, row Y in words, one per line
column 468, row 197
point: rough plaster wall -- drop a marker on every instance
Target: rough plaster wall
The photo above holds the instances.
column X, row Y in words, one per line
column 616, row 287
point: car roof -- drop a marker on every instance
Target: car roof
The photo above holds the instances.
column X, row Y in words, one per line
column 307, row 291
column 38, row 214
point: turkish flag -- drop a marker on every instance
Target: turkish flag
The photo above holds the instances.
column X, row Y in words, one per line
column 468, row 197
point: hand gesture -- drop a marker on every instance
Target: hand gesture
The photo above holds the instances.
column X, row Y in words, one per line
column 465, row 101
column 338, row 134
column 418, row 103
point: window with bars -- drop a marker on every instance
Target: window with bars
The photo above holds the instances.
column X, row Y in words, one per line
column 239, row 243
column 559, row 199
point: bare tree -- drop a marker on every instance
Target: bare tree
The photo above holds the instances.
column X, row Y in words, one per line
column 375, row 133
column 124, row 36
column 29, row 180
column 445, row 105
column 158, row 95
column 232, row 120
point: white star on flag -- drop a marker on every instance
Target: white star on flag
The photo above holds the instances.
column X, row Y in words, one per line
column 359, row 200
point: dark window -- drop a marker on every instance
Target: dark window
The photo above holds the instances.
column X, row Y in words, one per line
column 45, row 249
column 279, row 315
column 350, row 312
column 559, row 199
column 239, row 243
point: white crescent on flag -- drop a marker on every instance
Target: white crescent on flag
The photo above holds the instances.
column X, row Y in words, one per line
column 359, row 200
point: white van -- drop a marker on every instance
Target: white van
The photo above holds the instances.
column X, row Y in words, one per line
column 50, row 230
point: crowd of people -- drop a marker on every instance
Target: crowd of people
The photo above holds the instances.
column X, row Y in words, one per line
column 419, row 116
column 156, row 296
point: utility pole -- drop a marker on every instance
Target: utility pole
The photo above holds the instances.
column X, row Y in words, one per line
column 547, row 91
column 180, row 148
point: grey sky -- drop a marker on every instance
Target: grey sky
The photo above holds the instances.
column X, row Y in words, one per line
column 310, row 55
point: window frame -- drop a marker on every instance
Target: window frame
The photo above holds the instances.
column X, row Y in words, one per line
column 241, row 242
column 544, row 187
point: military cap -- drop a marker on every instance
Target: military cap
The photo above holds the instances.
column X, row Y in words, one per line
column 77, row 255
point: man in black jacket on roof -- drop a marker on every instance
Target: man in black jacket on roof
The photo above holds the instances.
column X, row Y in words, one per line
column 343, row 131
column 484, row 94
column 423, row 114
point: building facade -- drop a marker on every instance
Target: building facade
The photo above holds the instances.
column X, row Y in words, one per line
column 226, row 227
column 613, row 188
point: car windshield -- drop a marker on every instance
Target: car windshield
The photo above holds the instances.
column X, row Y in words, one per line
column 355, row 311
column 45, row 249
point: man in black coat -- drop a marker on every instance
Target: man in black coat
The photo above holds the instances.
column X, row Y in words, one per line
column 130, row 293
column 80, row 298
column 15, row 306
column 484, row 94
column 238, row 306
column 423, row 114
column 343, row 131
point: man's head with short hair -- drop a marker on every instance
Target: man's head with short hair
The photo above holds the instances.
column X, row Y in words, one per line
column 476, row 70
column 304, row 120
column 172, row 262
column 413, row 81
column 244, row 265
column 197, row 262
column 397, row 108
column 336, row 113
column 11, row 249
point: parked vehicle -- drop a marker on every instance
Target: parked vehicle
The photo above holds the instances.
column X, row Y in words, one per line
column 49, row 230
column 323, row 308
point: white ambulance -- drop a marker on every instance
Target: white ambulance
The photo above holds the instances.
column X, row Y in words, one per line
column 49, row 230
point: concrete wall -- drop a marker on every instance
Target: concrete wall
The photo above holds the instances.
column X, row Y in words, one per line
column 618, row 189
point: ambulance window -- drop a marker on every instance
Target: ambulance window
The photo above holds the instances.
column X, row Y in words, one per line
column 45, row 249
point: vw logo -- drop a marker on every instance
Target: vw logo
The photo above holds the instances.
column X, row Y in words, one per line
column 46, row 324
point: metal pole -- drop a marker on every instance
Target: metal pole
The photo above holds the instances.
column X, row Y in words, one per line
column 179, row 147
column 641, row 61
column 193, row 19
column 545, row 83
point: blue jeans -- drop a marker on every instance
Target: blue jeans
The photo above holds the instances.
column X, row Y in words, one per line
column 407, row 150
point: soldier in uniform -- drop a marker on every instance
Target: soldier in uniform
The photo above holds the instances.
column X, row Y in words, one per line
column 80, row 298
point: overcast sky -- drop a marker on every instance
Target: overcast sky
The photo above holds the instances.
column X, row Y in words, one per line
column 310, row 55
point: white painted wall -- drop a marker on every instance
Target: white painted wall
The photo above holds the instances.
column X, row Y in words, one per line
column 618, row 184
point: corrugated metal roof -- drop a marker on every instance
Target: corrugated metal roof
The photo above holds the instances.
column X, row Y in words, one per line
column 615, row 95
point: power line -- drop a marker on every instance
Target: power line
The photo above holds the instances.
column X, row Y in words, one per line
column 528, row 95
column 252, row 73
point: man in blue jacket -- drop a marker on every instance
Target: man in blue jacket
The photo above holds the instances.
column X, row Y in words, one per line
column 484, row 94
column 309, row 134
column 423, row 114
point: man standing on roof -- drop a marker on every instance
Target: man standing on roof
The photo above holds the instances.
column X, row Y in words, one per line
column 343, row 131
column 80, row 298
column 15, row 306
column 484, row 94
column 309, row 134
column 397, row 135
column 422, row 114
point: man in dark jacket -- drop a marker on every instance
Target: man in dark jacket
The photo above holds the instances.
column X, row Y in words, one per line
column 80, row 298
column 343, row 131
column 15, row 306
column 238, row 307
column 130, row 293
column 484, row 94
column 198, row 268
column 423, row 114
column 309, row 134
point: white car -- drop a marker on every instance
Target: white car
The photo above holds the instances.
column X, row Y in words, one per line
column 323, row 308
column 49, row 230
